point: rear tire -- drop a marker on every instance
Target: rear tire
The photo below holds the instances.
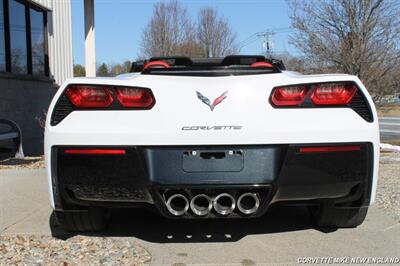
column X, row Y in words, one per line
column 81, row 220
column 329, row 216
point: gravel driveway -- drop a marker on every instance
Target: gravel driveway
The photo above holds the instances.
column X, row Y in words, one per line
column 388, row 193
column 78, row 250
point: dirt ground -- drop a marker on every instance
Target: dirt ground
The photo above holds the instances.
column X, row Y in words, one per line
column 389, row 110
column 25, row 163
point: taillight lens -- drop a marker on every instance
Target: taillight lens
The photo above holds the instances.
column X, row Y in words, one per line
column 289, row 96
column 89, row 97
column 135, row 97
column 333, row 93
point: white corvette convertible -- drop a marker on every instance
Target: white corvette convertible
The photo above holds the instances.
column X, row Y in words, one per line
column 212, row 138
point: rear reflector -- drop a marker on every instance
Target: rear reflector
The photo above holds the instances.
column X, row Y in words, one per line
column 289, row 96
column 333, row 93
column 94, row 151
column 329, row 149
column 135, row 97
column 92, row 97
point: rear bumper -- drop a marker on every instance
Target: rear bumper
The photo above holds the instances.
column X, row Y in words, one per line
column 145, row 176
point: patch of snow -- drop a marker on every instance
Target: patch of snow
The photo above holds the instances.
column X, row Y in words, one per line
column 390, row 147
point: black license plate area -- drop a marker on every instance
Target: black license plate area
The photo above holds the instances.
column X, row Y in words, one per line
column 212, row 161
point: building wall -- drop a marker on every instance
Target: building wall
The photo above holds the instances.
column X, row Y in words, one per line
column 59, row 39
column 25, row 97
column 24, row 100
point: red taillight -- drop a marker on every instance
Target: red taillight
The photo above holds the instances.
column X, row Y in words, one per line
column 289, row 96
column 333, row 94
column 95, row 151
column 314, row 95
column 135, row 97
column 87, row 96
column 329, row 149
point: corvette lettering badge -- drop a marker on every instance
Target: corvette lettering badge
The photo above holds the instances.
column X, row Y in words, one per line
column 207, row 101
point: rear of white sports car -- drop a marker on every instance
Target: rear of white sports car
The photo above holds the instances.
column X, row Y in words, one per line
column 220, row 138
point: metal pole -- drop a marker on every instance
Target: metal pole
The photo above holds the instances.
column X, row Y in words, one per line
column 90, row 49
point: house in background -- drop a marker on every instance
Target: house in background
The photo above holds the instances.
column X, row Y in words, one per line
column 35, row 58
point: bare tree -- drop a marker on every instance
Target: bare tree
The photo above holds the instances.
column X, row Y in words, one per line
column 190, row 48
column 171, row 32
column 292, row 63
column 126, row 66
column 359, row 37
column 18, row 61
column 214, row 34
column 102, row 70
column 168, row 30
column 118, row 69
column 79, row 70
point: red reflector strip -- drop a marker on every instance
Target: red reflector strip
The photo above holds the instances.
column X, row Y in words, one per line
column 329, row 149
column 94, row 151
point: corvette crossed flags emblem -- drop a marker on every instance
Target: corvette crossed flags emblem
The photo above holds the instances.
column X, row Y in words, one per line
column 207, row 101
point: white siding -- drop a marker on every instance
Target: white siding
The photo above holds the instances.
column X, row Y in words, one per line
column 60, row 38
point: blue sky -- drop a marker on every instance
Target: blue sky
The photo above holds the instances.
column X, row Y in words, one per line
column 119, row 25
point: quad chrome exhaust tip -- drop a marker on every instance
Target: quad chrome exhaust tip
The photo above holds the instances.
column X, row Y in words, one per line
column 201, row 204
column 248, row 203
column 224, row 204
column 177, row 204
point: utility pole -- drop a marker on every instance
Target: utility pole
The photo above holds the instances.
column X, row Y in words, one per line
column 267, row 43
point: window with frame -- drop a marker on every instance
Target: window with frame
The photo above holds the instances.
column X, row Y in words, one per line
column 2, row 41
column 23, row 37
column 37, row 41
column 18, row 41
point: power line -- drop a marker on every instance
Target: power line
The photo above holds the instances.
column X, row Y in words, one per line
column 252, row 38
column 277, row 30
column 291, row 52
column 266, row 35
